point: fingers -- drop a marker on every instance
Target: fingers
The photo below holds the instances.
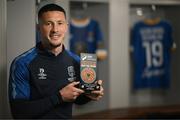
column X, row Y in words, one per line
column 100, row 82
column 76, row 93
column 74, row 83
column 74, row 97
column 98, row 97
column 98, row 94
column 101, row 91
column 95, row 97
column 70, row 92
column 75, row 89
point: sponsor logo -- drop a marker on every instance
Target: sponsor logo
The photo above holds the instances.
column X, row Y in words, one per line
column 71, row 73
column 42, row 75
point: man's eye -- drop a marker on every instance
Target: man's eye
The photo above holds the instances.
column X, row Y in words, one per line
column 60, row 23
column 48, row 23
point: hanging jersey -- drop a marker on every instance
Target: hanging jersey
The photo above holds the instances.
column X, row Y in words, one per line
column 152, row 44
column 85, row 37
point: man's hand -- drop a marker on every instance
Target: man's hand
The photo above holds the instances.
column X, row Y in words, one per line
column 96, row 95
column 69, row 93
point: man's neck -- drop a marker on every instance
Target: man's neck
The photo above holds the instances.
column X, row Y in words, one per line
column 56, row 51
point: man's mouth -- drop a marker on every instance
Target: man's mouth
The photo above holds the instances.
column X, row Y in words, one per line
column 55, row 36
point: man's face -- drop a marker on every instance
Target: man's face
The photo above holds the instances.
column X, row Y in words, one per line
column 53, row 27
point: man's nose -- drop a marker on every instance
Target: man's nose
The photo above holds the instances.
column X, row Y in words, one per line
column 54, row 28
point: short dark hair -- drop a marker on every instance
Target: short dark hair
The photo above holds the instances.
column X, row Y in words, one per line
column 51, row 7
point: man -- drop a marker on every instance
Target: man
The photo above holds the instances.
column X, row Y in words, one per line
column 43, row 80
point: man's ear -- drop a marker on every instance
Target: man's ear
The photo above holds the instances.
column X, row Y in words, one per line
column 67, row 26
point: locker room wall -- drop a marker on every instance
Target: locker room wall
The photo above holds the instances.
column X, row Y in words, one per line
column 20, row 27
column 174, row 93
column 3, row 63
column 119, row 69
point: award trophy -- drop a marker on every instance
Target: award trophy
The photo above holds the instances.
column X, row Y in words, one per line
column 88, row 72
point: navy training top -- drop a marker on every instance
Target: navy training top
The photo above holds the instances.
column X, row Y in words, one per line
column 35, row 79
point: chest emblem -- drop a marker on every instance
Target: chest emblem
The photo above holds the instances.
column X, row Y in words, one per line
column 71, row 73
column 42, row 75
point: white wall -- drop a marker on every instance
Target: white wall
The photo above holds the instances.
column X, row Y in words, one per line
column 119, row 56
column 174, row 92
column 3, row 79
column 20, row 27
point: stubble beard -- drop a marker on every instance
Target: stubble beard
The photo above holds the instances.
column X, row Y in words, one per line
column 50, row 45
column 55, row 46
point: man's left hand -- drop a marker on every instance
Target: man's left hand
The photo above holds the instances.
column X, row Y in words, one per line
column 98, row 94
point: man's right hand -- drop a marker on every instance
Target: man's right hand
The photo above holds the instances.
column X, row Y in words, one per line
column 69, row 93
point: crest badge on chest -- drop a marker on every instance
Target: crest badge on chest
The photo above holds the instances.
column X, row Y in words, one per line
column 71, row 73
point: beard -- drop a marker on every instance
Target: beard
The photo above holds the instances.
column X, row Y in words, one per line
column 50, row 45
column 55, row 46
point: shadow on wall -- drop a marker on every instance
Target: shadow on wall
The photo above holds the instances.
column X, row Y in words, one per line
column 4, row 109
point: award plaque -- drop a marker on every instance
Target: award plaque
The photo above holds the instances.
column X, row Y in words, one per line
column 88, row 72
